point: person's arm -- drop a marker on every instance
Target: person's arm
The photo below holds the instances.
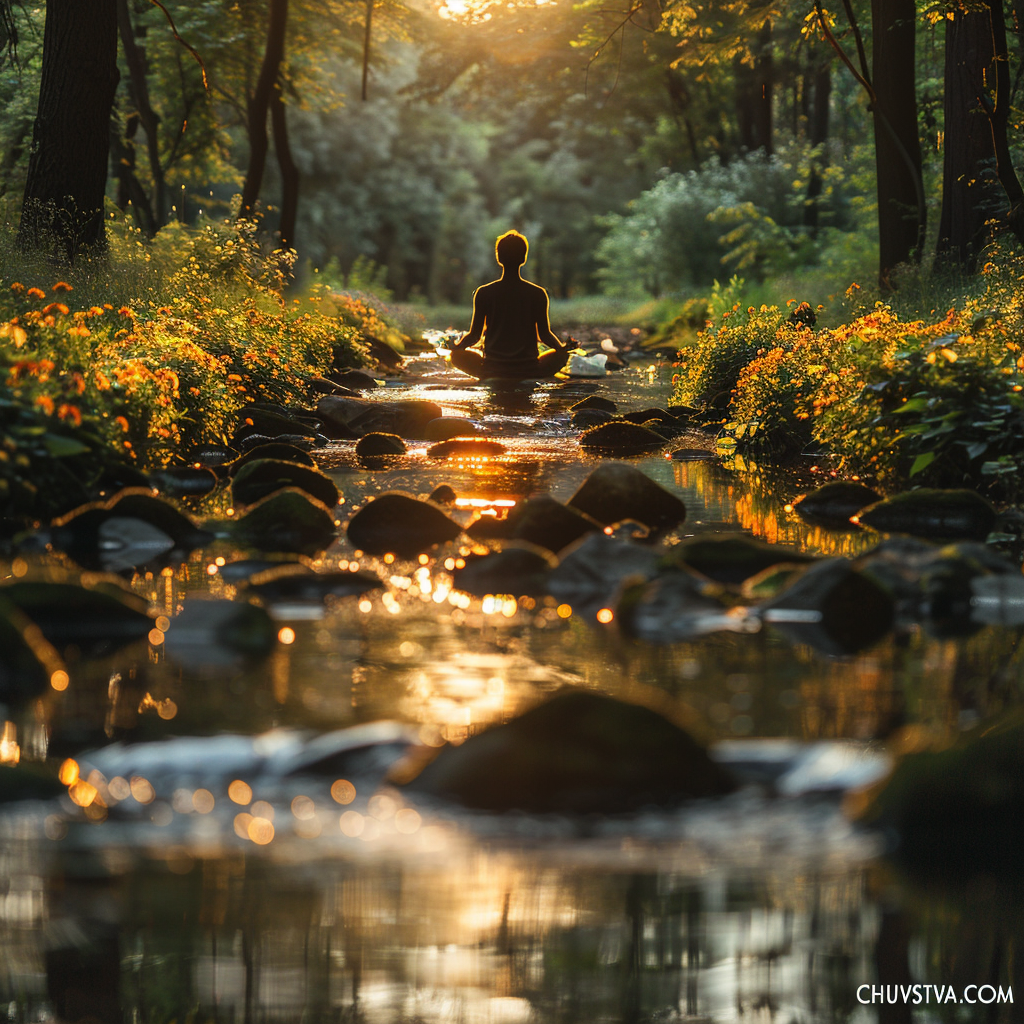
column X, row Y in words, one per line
column 476, row 328
column 544, row 332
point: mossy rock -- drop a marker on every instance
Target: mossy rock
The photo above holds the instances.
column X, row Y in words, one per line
column 595, row 402
column 466, row 447
column 260, row 477
column 614, row 492
column 447, row 427
column 378, row 444
column 288, row 520
column 587, row 418
column 959, row 810
column 835, row 503
column 274, row 423
column 933, row 514
column 521, row 570
column 273, row 450
column 399, row 524
column 577, row 753
column 542, row 521
column 732, row 559
column 94, row 620
column 620, row 437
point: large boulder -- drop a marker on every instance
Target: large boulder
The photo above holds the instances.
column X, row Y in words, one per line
column 353, row 417
column 520, row 569
column 620, row 437
column 399, row 524
column 615, row 492
column 578, row 753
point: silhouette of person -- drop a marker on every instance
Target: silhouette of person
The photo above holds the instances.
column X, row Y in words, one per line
column 511, row 315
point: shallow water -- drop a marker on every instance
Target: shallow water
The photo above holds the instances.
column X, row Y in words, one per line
column 291, row 905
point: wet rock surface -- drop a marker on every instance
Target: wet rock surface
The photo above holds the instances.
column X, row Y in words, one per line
column 578, row 753
column 400, row 524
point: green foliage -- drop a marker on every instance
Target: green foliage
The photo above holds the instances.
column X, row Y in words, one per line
column 160, row 344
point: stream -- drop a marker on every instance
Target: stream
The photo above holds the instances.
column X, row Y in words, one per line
column 298, row 900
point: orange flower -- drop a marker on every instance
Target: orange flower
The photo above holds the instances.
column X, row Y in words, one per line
column 125, row 311
column 17, row 286
column 36, row 293
column 70, row 412
column 45, row 402
column 122, row 422
column 58, row 306
column 62, row 286
column 102, row 380
column 15, row 333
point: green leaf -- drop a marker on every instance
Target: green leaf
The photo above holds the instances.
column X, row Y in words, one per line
column 922, row 462
column 913, row 405
column 61, row 447
column 976, row 449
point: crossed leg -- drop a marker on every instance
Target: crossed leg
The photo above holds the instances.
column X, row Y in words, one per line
column 477, row 365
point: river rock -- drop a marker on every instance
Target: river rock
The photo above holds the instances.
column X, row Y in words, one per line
column 273, row 422
column 620, row 437
column 260, row 477
column 732, row 558
column 615, row 491
column 960, row 810
column 94, row 620
column 542, row 521
column 445, row 427
column 834, row 503
column 587, row 418
column 832, row 608
column 133, row 529
column 356, row 380
column 274, row 450
column 216, row 633
column 443, row 494
column 466, row 447
column 376, row 445
column 211, row 455
column 405, row 418
column 594, row 402
column 295, row 584
column 578, row 753
column 519, row 569
column 591, row 572
column 693, row 455
column 933, row 514
column 685, row 414
column 399, row 524
column 184, row 481
column 674, row 607
column 289, row 521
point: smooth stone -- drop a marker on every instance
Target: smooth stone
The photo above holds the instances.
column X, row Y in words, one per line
column 733, row 558
column 595, row 402
column 835, row 503
column 684, row 413
column 587, row 418
column 542, row 521
column 273, row 450
column 620, row 437
column 473, row 447
column 615, row 491
column 648, row 415
column 357, row 380
column 591, row 572
column 181, row 482
column 95, row 620
column 274, row 423
column 692, row 455
column 288, row 521
column 260, row 477
column 933, row 514
column 323, row 386
column 443, row 494
column 377, row 444
column 399, row 524
column 520, row 570
column 855, row 612
column 674, row 607
column 408, row 418
column 219, row 633
column 446, row 427
column 577, row 753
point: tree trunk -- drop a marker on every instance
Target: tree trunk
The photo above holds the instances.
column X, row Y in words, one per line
column 135, row 58
column 754, row 87
column 129, row 188
column 67, row 171
column 289, row 172
column 977, row 173
column 260, row 103
column 901, row 213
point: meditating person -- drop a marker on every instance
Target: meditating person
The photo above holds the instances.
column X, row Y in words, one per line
column 511, row 315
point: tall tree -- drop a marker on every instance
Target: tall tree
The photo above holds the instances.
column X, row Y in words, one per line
column 67, row 171
column 978, row 180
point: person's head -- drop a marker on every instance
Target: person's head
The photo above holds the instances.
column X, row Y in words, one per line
column 511, row 249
